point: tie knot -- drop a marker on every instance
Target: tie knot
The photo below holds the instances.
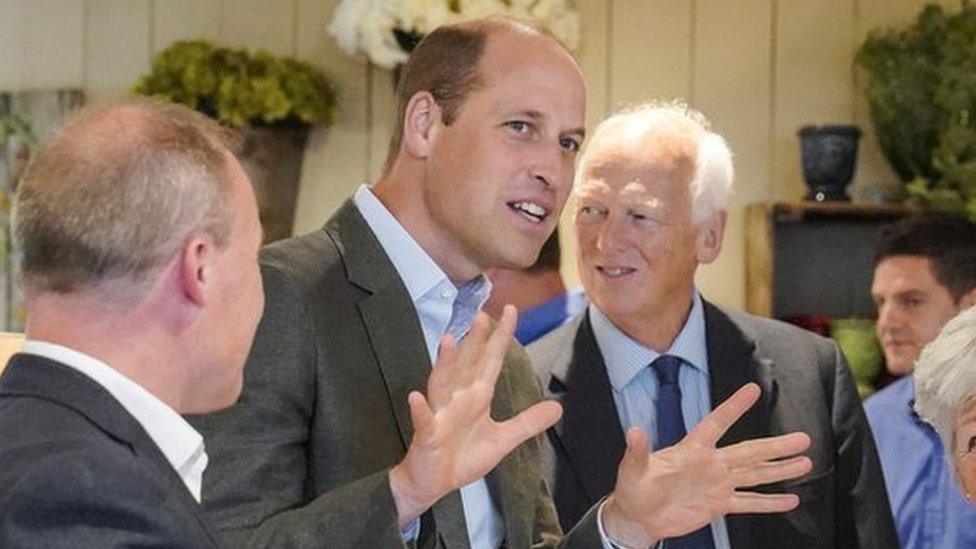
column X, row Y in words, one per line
column 666, row 367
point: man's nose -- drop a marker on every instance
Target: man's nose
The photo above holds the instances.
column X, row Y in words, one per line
column 547, row 165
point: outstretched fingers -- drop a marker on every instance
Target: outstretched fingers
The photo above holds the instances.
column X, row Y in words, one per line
column 771, row 471
column 530, row 422
column 497, row 346
column 710, row 429
column 764, row 449
column 752, row 502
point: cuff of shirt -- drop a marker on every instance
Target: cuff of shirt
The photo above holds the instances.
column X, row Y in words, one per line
column 604, row 538
column 411, row 532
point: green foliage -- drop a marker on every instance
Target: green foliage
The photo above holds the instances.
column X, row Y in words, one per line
column 13, row 125
column 240, row 88
column 922, row 97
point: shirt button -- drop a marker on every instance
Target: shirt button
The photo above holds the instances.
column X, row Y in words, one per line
column 445, row 293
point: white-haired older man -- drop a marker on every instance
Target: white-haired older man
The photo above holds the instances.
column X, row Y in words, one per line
column 945, row 394
column 651, row 353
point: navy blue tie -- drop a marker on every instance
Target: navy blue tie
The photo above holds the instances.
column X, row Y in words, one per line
column 670, row 430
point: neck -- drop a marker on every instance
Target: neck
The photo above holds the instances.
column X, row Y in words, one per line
column 400, row 192
column 522, row 289
column 130, row 343
column 659, row 329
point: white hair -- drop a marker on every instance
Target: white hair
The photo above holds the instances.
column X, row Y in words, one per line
column 945, row 376
column 711, row 185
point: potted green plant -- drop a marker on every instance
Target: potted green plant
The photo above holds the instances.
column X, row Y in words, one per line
column 921, row 92
column 274, row 100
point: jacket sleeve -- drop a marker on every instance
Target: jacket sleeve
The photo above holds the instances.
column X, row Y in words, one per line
column 256, row 486
column 862, row 514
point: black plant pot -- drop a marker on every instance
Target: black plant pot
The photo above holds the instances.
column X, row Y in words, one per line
column 829, row 156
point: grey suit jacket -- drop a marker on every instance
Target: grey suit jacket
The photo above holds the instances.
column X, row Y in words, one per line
column 302, row 459
column 76, row 470
column 806, row 386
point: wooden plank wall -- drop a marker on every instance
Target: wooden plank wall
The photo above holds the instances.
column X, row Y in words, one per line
column 759, row 69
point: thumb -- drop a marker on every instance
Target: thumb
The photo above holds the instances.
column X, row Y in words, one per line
column 636, row 456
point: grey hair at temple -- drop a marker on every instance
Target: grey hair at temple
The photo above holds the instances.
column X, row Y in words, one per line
column 945, row 375
column 116, row 193
column 712, row 182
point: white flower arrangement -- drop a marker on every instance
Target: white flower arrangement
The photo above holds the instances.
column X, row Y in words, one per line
column 369, row 25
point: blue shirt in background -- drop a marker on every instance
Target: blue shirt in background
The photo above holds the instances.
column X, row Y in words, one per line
column 929, row 509
column 546, row 317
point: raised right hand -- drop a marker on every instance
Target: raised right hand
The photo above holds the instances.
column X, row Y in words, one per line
column 455, row 440
column 679, row 489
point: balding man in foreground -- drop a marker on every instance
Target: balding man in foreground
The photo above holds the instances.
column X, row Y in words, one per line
column 346, row 436
column 140, row 236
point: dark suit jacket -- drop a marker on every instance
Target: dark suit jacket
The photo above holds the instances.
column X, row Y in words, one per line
column 806, row 387
column 302, row 459
column 76, row 470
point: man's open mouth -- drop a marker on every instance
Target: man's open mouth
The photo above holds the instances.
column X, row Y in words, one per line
column 532, row 211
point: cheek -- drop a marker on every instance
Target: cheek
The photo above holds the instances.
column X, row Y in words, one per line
column 967, row 470
column 585, row 238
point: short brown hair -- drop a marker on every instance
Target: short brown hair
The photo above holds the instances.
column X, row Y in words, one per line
column 116, row 193
column 446, row 64
column 947, row 240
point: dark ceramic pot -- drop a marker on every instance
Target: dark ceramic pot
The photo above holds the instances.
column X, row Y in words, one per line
column 829, row 155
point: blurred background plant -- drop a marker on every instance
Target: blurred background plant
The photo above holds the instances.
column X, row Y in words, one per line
column 240, row 88
column 922, row 97
column 387, row 30
column 17, row 141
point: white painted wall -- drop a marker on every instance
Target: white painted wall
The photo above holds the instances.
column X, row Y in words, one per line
column 759, row 69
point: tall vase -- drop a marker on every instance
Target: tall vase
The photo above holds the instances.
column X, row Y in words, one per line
column 272, row 158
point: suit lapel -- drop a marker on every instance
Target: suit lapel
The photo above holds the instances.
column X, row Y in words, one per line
column 590, row 430
column 733, row 361
column 38, row 376
column 514, row 482
column 387, row 313
column 396, row 339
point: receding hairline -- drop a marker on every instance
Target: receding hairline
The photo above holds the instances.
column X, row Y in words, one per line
column 483, row 31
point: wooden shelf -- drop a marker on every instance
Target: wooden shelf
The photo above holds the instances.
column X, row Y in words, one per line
column 806, row 258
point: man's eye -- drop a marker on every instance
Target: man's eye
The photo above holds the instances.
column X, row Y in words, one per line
column 589, row 211
column 972, row 444
column 569, row 144
column 519, row 126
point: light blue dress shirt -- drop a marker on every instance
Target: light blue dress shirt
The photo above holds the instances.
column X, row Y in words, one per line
column 441, row 308
column 929, row 509
column 635, row 386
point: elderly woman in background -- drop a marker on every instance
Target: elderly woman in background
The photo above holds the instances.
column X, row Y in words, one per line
column 945, row 394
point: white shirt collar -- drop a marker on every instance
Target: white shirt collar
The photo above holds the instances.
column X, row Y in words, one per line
column 441, row 306
column 418, row 270
column 625, row 357
column 180, row 443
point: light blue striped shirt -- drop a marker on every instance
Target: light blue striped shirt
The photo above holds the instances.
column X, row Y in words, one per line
column 441, row 307
column 635, row 386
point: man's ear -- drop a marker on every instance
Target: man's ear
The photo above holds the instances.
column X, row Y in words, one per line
column 421, row 115
column 195, row 268
column 708, row 244
column 968, row 299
